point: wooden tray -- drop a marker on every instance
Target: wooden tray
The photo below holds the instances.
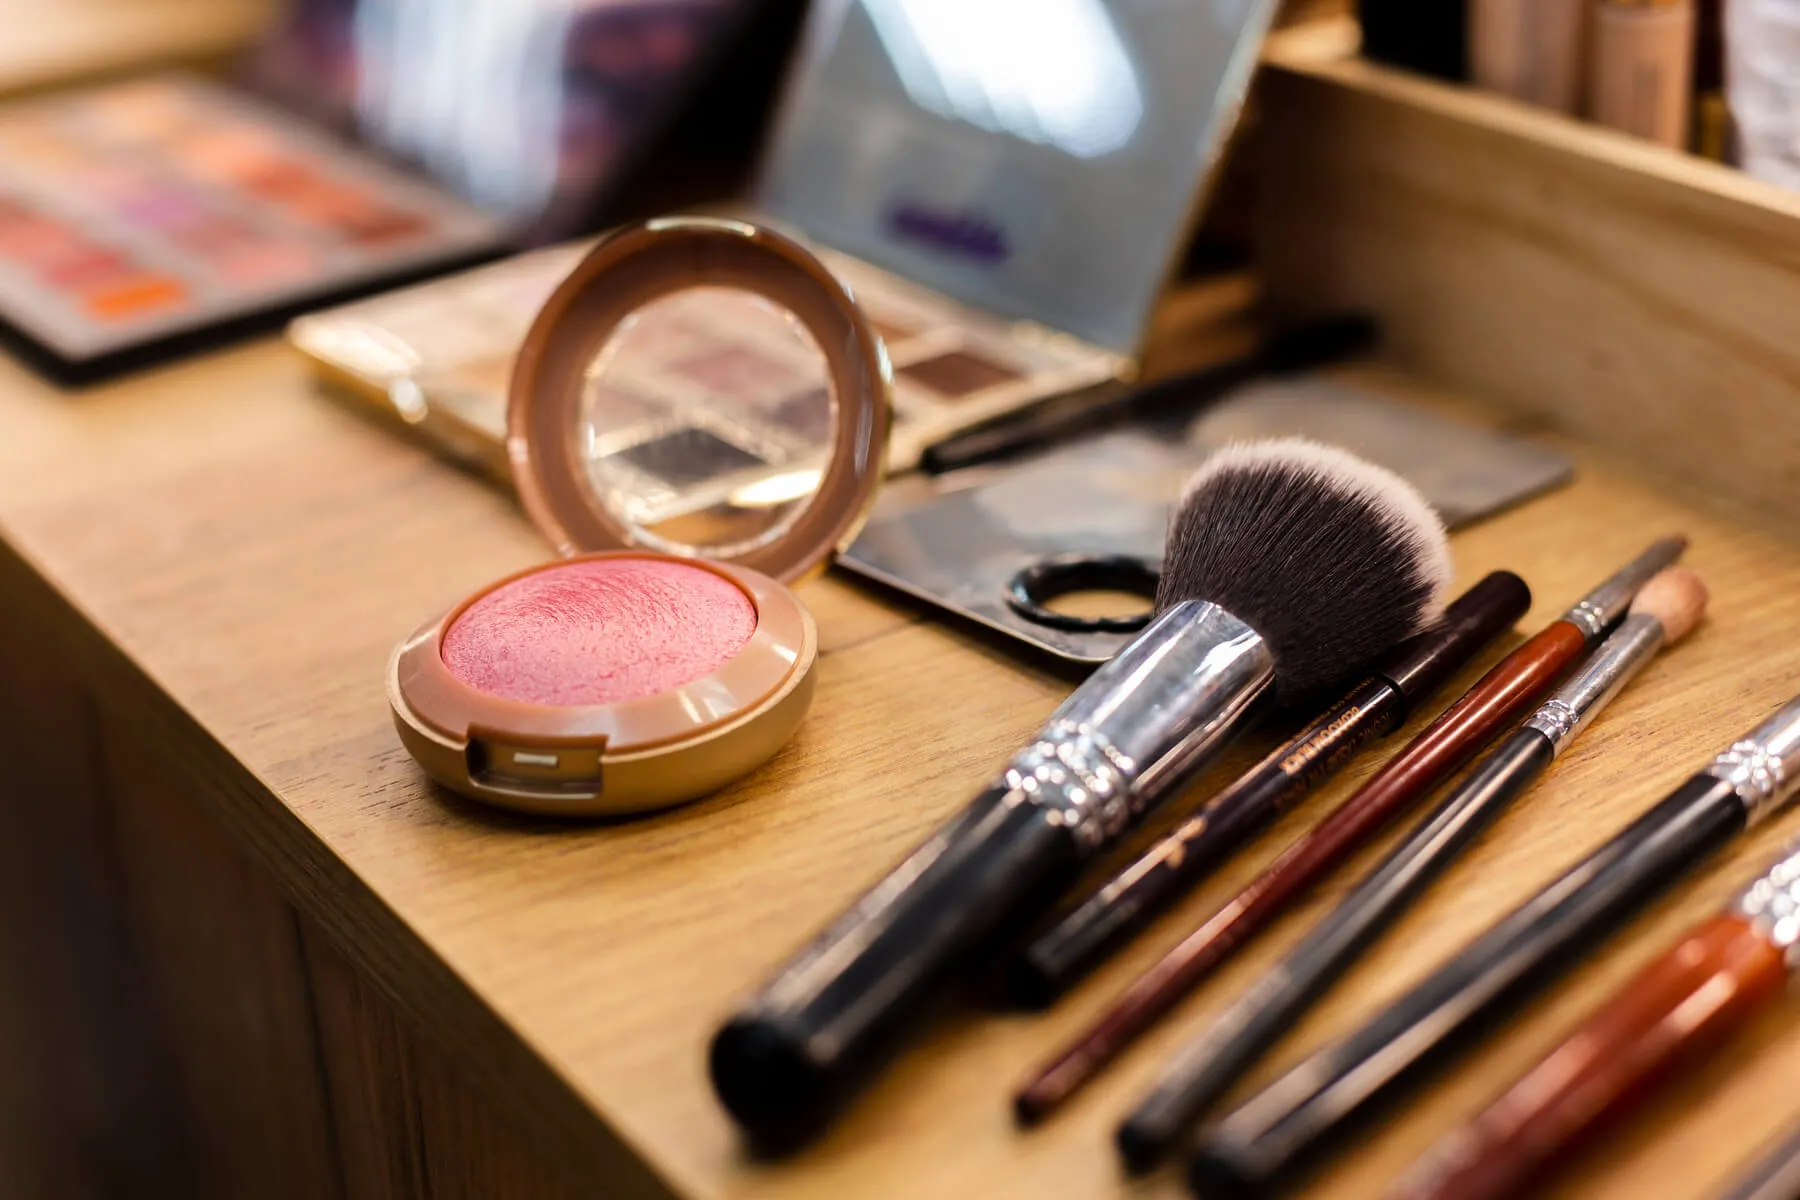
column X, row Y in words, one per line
column 1648, row 299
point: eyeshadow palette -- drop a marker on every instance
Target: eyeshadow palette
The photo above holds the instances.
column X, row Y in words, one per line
column 438, row 358
column 585, row 94
column 139, row 219
column 1002, row 259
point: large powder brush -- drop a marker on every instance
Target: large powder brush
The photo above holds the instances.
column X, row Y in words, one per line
column 1329, row 558
column 1289, row 566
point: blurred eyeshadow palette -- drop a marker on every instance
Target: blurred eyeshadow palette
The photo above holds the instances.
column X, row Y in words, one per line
column 1009, row 224
column 144, row 218
column 538, row 108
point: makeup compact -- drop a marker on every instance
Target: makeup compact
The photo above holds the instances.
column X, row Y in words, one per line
column 1007, row 192
column 142, row 218
column 664, row 655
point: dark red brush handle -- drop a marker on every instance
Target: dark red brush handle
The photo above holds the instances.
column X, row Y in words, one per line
column 1500, row 697
column 1681, row 1005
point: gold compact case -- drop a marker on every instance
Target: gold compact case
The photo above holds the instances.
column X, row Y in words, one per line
column 663, row 656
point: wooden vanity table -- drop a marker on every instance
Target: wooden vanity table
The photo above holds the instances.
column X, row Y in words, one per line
column 54, row 42
column 245, row 949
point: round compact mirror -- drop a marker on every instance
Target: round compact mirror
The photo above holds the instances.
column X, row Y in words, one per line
column 703, row 388
column 706, row 422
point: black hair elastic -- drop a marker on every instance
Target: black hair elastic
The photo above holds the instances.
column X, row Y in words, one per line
column 1031, row 590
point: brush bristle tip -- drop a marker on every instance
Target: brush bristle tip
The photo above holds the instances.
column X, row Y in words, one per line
column 1676, row 598
column 1330, row 558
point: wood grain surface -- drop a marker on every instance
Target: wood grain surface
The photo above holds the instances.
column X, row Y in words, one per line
column 225, row 558
column 1647, row 298
column 49, row 42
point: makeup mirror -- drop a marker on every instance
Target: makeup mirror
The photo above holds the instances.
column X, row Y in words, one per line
column 1036, row 159
column 705, row 388
column 706, row 420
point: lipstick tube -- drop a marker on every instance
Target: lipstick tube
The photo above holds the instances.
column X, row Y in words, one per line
column 1534, row 50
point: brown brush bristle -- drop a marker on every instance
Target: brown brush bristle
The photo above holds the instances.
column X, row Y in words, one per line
column 1676, row 598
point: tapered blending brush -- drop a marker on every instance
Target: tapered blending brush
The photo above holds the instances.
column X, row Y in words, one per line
column 1234, row 1040
column 1289, row 565
column 1499, row 698
column 1674, row 1012
column 1265, row 1146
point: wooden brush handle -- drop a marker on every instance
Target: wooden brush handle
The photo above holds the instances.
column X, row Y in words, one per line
column 1497, row 699
column 1682, row 1004
column 1453, row 739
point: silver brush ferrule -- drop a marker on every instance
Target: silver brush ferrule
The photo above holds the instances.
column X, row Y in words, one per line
column 1763, row 766
column 1608, row 602
column 1143, row 722
column 1577, row 702
column 1772, row 906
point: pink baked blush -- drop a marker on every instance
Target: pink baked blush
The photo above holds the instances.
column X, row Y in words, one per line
column 599, row 631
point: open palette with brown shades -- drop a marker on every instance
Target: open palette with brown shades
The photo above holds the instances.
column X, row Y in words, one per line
column 440, row 355
column 1003, row 259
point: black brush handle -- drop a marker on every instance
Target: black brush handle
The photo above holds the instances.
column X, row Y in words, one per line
column 1374, row 708
column 1108, row 918
column 1135, row 732
column 1312, row 344
column 1239, row 1037
column 1265, row 1146
column 791, row 1057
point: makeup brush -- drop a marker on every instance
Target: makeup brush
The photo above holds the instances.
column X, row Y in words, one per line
column 1265, row 1145
column 1304, row 347
column 1675, row 1011
column 1288, row 565
column 1497, row 699
column 1164, row 873
column 1774, row 1176
column 1669, row 606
